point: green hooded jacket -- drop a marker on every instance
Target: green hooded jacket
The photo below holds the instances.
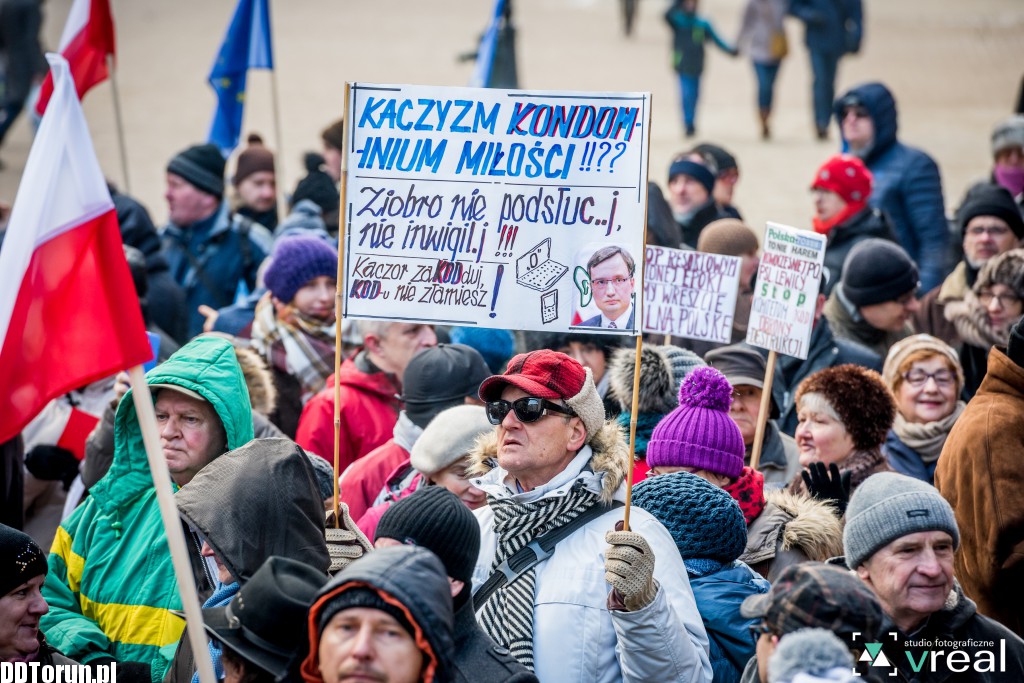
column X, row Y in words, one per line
column 111, row 585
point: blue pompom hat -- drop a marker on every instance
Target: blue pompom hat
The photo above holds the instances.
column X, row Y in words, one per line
column 700, row 433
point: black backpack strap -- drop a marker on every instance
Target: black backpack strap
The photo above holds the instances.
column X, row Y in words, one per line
column 534, row 552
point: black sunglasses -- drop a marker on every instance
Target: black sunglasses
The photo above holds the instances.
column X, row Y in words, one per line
column 527, row 409
column 758, row 629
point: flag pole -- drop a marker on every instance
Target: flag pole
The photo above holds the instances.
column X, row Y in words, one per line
column 172, row 524
column 119, row 122
column 277, row 138
column 762, row 416
column 632, row 426
column 631, row 465
column 338, row 308
column 275, row 104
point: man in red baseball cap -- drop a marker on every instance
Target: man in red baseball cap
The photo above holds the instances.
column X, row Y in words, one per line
column 599, row 602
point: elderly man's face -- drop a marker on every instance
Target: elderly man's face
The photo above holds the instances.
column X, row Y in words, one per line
column 912, row 576
column 534, row 452
column 399, row 343
column 613, row 286
column 191, row 434
column 985, row 237
column 365, row 644
column 20, row 611
column 186, row 203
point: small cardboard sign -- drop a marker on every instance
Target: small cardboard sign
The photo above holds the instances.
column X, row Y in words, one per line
column 788, row 281
column 690, row 294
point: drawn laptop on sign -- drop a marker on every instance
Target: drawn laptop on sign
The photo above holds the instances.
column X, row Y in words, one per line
column 536, row 270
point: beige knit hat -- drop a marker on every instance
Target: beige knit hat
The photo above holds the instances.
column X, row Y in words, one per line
column 902, row 349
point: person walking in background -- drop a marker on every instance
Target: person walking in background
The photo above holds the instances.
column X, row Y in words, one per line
column 689, row 33
column 763, row 37
column 907, row 182
column 833, row 28
column 21, row 57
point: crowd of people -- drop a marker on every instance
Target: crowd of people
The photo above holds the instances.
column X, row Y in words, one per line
column 480, row 530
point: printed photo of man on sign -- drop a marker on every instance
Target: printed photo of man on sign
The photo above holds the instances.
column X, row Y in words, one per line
column 610, row 271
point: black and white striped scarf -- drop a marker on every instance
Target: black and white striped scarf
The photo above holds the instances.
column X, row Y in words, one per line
column 507, row 617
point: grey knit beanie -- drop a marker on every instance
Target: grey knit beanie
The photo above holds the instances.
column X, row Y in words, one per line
column 888, row 506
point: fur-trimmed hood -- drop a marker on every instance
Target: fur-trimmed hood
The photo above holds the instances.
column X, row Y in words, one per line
column 662, row 369
column 262, row 392
column 610, row 458
column 813, row 527
column 794, row 522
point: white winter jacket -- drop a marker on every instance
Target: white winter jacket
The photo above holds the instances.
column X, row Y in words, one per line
column 576, row 637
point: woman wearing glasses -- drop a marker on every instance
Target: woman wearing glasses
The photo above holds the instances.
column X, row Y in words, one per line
column 925, row 376
column 984, row 318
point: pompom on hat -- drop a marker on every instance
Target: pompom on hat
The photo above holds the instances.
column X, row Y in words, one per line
column 255, row 158
column 700, row 433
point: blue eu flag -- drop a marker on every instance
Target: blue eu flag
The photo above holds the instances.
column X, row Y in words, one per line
column 246, row 46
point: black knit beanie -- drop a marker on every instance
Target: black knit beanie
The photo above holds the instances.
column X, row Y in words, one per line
column 877, row 271
column 988, row 199
column 434, row 518
column 25, row 559
column 202, row 166
column 361, row 596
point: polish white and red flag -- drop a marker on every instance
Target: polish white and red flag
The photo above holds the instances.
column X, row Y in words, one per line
column 87, row 40
column 69, row 314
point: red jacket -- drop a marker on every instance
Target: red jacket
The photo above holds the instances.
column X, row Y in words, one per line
column 369, row 411
column 363, row 481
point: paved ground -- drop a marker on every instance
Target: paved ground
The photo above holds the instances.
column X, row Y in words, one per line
column 954, row 66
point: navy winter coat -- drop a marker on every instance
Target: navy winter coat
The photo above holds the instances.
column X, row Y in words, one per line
column 907, row 186
column 832, row 26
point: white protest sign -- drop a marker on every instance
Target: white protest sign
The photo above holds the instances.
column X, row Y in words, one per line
column 690, row 294
column 788, row 280
column 495, row 208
